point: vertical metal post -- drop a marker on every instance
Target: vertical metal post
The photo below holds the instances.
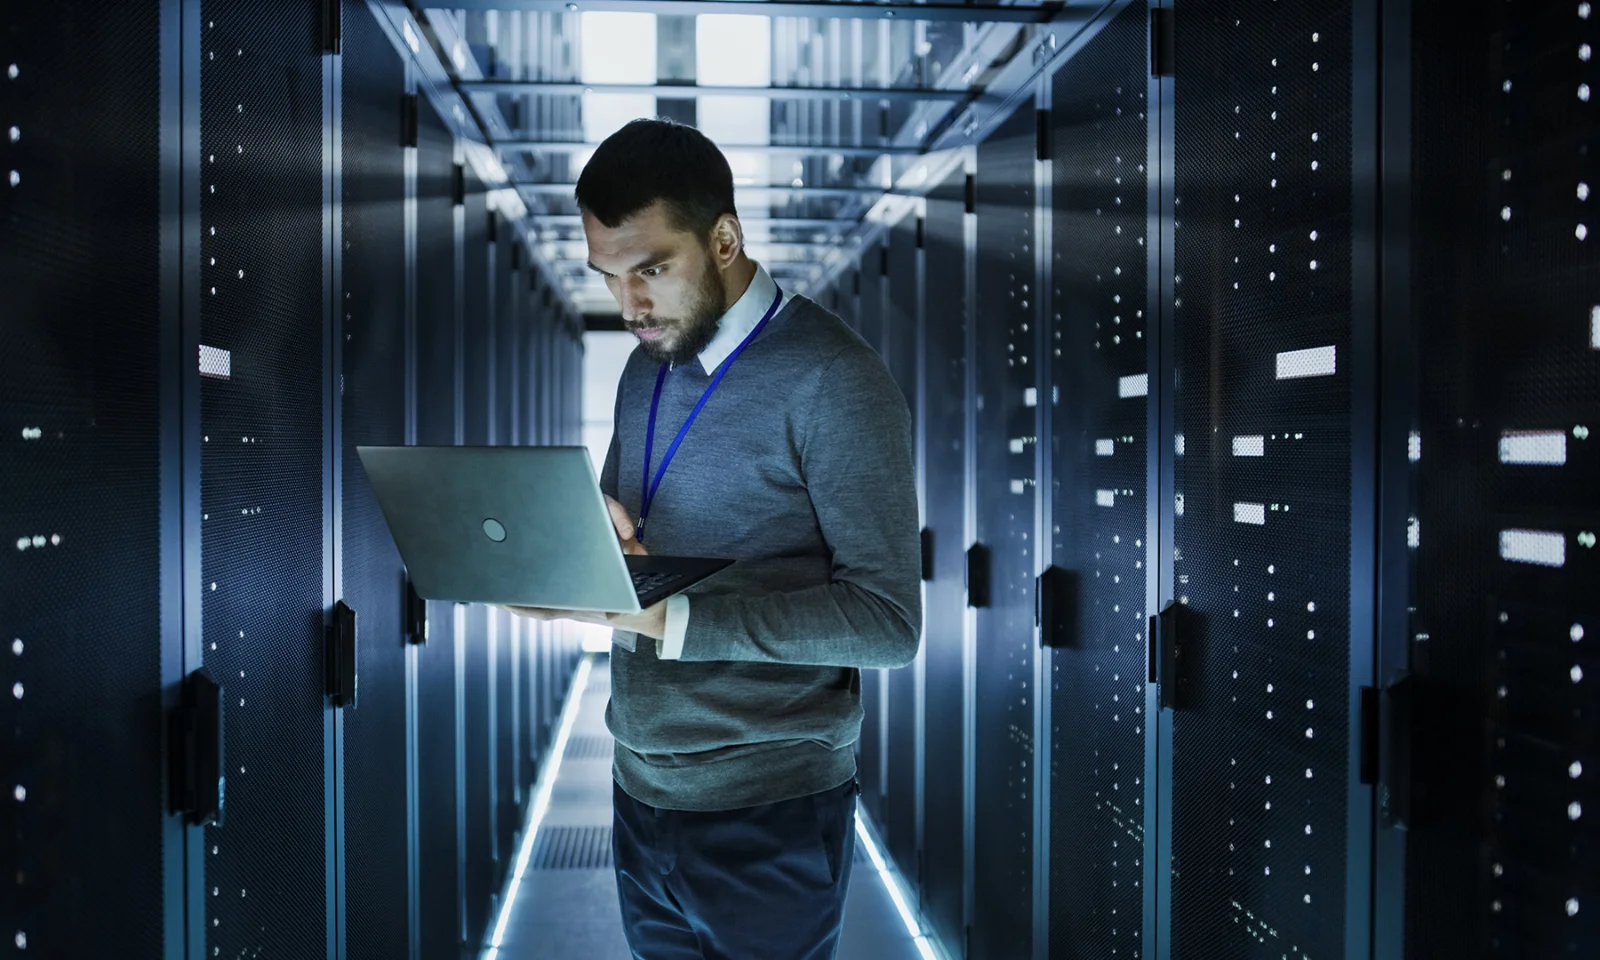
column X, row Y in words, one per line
column 969, row 636
column 1043, row 537
column 333, row 453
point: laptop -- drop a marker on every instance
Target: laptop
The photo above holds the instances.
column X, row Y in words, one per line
column 516, row 526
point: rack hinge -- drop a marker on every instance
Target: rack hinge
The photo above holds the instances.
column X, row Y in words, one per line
column 1042, row 136
column 458, row 187
column 416, row 613
column 341, row 651
column 409, row 119
column 332, row 14
column 197, row 787
column 1161, row 42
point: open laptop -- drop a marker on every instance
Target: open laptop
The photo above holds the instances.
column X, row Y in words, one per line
column 516, row 526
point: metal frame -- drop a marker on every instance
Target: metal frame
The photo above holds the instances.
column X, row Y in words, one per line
column 805, row 9
column 969, row 633
column 412, row 679
column 1044, row 520
column 1396, row 388
column 536, row 145
column 566, row 190
column 333, row 465
column 1161, row 461
column 182, row 845
column 689, row 91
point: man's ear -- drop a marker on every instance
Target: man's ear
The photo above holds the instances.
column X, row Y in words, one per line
column 727, row 240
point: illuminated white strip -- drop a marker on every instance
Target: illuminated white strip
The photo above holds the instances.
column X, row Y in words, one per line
column 1105, row 498
column 1019, row 487
column 1414, row 447
column 1316, row 362
column 1178, row 444
column 1018, row 445
column 1534, row 546
column 1249, row 446
column 1105, row 448
column 1594, row 328
column 215, row 363
column 1030, row 397
column 890, row 884
column 1414, row 533
column 1138, row 386
column 411, row 37
column 1255, row 513
column 1533, row 446
column 541, row 803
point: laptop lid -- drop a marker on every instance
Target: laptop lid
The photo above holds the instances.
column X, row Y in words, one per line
column 523, row 526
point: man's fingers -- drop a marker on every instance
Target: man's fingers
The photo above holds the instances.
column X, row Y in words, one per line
column 620, row 519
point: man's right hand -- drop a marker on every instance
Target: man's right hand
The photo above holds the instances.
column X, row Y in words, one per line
column 625, row 531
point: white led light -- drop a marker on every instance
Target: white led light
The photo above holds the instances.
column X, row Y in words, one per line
column 1255, row 446
column 1414, row 447
column 1105, row 448
column 1135, row 386
column 1594, row 328
column 1538, row 547
column 1583, row 92
column 1105, row 498
column 1252, row 513
column 1533, row 447
column 890, row 884
column 1315, row 362
column 541, row 803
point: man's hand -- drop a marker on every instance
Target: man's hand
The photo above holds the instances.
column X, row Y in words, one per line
column 625, row 531
column 651, row 622
column 648, row 623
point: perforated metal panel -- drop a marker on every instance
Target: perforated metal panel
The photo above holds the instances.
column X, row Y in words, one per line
column 1099, row 446
column 900, row 348
column 374, row 398
column 944, row 598
column 80, row 331
column 507, row 299
column 1504, row 473
column 1262, row 532
column 440, row 895
column 1006, row 440
column 262, row 472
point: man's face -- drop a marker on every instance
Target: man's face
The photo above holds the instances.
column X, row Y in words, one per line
column 669, row 288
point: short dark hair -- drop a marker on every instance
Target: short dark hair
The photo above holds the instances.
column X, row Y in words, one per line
column 658, row 160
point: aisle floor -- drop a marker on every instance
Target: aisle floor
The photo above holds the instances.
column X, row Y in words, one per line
column 567, row 904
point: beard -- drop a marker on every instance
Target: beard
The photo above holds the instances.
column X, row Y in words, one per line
column 687, row 336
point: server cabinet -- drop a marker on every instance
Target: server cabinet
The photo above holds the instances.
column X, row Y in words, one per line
column 265, row 480
column 1490, row 697
column 1099, row 335
column 91, row 562
column 373, row 385
column 438, row 718
column 902, row 313
column 1257, row 656
column 943, row 873
column 1001, row 570
column 867, row 298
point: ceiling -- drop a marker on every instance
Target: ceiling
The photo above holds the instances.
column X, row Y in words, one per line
column 826, row 110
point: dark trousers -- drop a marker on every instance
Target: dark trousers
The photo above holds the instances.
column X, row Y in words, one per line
column 759, row 883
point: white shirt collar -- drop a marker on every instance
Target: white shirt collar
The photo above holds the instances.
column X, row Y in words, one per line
column 741, row 318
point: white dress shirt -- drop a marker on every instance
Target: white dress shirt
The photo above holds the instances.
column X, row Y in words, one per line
column 734, row 326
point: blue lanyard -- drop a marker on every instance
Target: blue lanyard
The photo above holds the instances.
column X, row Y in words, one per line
column 648, row 489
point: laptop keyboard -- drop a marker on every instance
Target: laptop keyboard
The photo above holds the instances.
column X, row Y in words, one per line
column 645, row 583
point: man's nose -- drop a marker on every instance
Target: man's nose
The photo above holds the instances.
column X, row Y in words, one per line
column 635, row 305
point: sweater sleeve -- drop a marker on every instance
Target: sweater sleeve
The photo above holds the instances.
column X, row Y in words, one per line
column 856, row 459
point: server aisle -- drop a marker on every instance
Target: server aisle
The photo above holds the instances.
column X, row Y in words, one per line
column 566, row 903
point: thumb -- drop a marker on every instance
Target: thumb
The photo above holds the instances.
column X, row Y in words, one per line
column 620, row 519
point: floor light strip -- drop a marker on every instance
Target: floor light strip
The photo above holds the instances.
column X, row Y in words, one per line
column 541, row 803
column 891, row 883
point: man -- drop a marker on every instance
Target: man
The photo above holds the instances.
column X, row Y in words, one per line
column 736, row 706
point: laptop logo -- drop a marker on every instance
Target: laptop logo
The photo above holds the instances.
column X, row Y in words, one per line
column 494, row 530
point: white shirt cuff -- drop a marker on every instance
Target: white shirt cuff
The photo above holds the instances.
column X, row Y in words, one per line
column 671, row 646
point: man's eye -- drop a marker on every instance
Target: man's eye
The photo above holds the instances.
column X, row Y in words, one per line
column 651, row 272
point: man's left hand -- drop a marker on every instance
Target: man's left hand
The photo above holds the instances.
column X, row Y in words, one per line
column 651, row 622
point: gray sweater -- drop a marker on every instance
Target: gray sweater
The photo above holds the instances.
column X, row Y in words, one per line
column 800, row 468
